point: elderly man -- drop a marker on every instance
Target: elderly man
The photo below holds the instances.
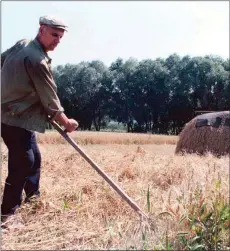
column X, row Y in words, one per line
column 28, row 100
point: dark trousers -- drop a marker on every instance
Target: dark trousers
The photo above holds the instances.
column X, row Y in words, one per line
column 24, row 165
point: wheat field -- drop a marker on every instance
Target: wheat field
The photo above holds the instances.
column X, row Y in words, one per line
column 78, row 210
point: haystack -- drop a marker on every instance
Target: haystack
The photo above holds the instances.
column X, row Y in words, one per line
column 208, row 132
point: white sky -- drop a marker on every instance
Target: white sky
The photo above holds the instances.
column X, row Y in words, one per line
column 106, row 30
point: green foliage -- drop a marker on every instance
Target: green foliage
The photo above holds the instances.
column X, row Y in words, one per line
column 115, row 126
column 157, row 96
column 208, row 225
column 205, row 222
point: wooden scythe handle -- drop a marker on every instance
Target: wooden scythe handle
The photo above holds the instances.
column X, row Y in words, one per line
column 98, row 169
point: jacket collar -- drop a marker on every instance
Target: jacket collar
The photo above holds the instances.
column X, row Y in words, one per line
column 41, row 48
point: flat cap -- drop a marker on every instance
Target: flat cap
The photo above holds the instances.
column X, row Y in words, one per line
column 53, row 22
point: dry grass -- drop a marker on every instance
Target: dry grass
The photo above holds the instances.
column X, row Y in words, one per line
column 78, row 209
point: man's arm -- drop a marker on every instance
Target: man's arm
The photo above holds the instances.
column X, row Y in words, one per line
column 69, row 124
column 46, row 89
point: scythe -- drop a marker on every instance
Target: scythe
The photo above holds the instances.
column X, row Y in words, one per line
column 99, row 170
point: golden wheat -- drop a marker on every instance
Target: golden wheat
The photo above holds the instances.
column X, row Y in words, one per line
column 84, row 138
column 79, row 210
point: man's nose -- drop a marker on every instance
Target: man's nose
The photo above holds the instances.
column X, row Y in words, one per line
column 57, row 40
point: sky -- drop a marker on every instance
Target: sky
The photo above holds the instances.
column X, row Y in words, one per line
column 106, row 30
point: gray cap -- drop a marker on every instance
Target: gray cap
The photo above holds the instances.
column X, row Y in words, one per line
column 53, row 22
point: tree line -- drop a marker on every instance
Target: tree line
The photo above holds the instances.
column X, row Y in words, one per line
column 157, row 96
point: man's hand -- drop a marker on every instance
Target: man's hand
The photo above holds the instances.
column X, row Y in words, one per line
column 71, row 125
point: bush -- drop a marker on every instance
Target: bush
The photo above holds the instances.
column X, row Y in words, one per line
column 208, row 225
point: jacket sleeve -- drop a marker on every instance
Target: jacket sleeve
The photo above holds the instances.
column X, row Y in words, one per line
column 43, row 82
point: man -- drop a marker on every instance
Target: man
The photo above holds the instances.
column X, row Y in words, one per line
column 28, row 99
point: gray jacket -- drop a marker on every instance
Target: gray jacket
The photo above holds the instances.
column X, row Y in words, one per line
column 28, row 90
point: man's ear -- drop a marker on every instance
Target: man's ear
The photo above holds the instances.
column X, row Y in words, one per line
column 41, row 29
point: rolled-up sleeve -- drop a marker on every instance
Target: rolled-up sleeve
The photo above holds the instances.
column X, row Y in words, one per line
column 43, row 82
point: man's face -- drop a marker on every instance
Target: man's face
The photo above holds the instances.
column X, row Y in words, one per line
column 50, row 37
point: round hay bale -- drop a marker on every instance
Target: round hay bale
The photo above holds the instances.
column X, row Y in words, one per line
column 208, row 132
